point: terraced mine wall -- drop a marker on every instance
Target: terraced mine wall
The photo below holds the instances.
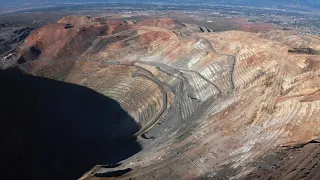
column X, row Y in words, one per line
column 203, row 105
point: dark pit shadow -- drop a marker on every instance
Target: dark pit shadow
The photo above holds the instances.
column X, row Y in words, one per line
column 57, row 130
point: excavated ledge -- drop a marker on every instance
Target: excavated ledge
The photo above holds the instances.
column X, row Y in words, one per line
column 304, row 51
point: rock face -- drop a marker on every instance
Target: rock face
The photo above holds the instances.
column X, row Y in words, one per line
column 300, row 162
column 11, row 36
column 209, row 104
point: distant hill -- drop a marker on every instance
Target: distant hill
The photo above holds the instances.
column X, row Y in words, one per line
column 311, row 3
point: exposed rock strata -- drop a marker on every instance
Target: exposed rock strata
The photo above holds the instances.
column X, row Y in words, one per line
column 227, row 98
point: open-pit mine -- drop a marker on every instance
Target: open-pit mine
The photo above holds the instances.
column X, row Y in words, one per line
column 93, row 98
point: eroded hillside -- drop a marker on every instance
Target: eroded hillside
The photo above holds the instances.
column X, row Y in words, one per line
column 208, row 105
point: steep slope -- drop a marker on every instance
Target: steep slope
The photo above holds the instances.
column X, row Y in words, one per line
column 209, row 104
column 11, row 36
